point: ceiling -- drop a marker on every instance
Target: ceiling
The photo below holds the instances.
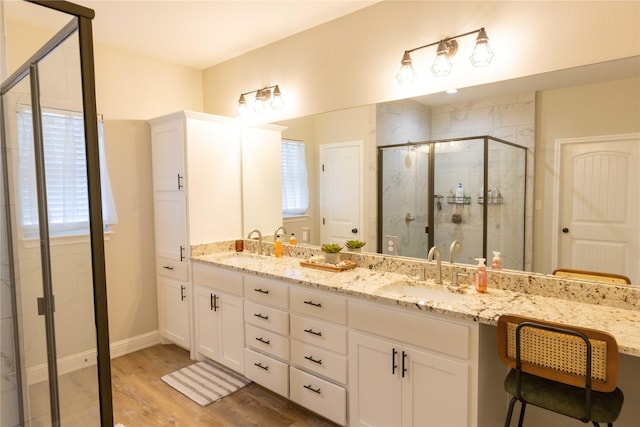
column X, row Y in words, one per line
column 195, row 33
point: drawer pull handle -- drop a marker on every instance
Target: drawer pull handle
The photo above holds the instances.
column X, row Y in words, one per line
column 311, row 331
column 262, row 291
column 315, row 304
column 261, row 366
column 262, row 340
column 311, row 359
column 168, row 267
column 262, row 316
column 309, row 387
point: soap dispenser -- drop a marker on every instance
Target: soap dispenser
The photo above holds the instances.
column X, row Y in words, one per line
column 277, row 247
column 496, row 264
column 481, row 276
column 293, row 240
column 459, row 193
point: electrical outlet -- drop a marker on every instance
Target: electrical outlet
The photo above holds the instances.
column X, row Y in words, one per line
column 305, row 235
column 390, row 247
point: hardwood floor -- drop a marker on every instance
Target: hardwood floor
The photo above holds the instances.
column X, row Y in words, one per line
column 141, row 398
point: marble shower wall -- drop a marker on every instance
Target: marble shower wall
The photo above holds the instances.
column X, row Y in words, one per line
column 511, row 118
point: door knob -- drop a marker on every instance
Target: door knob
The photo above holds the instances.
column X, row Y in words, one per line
column 354, row 230
column 565, row 230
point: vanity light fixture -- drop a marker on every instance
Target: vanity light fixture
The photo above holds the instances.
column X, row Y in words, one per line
column 447, row 48
column 267, row 98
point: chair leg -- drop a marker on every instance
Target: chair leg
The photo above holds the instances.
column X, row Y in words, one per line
column 512, row 402
column 522, row 408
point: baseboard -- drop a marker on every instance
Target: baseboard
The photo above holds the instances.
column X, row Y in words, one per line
column 39, row 373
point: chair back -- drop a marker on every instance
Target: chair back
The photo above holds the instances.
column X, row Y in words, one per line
column 596, row 276
column 557, row 355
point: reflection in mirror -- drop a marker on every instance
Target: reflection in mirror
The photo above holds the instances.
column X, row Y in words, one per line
column 534, row 111
column 474, row 187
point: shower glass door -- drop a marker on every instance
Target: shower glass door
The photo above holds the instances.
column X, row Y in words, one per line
column 404, row 204
column 53, row 372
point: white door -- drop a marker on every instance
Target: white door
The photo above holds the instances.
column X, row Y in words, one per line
column 173, row 311
column 435, row 390
column 598, row 192
column 374, row 382
column 341, row 216
column 170, row 220
column 167, row 150
column 231, row 319
column 206, row 324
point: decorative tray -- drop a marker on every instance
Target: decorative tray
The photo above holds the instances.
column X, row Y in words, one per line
column 344, row 265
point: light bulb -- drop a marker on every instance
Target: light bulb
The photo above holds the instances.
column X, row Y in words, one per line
column 442, row 65
column 277, row 103
column 482, row 53
column 406, row 74
column 243, row 108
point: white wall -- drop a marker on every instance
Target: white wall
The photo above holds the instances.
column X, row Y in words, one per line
column 353, row 60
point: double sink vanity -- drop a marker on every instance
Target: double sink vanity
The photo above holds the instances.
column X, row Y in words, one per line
column 378, row 344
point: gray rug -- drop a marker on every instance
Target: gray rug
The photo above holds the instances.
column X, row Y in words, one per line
column 205, row 382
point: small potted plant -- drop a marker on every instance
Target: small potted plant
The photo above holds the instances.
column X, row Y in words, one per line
column 331, row 252
column 354, row 245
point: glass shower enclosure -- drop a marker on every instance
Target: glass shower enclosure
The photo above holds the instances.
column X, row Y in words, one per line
column 55, row 358
column 470, row 189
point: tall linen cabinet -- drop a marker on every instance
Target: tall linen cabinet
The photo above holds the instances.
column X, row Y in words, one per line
column 202, row 194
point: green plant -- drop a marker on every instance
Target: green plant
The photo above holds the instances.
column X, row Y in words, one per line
column 331, row 248
column 354, row 244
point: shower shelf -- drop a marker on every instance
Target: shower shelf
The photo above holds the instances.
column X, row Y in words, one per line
column 496, row 201
column 451, row 200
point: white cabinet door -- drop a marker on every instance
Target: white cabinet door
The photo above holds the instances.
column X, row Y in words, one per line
column 219, row 327
column 231, row 338
column 374, row 381
column 167, row 150
column 173, row 311
column 206, row 322
column 170, row 225
column 435, row 390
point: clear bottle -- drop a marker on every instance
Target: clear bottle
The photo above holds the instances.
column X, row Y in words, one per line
column 481, row 276
column 459, row 193
column 496, row 263
column 293, row 240
column 277, row 247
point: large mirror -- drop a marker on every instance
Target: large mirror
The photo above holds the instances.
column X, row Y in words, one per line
column 538, row 112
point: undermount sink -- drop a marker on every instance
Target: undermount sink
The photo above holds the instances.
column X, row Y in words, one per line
column 421, row 291
column 242, row 258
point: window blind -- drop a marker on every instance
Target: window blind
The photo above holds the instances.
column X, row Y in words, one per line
column 65, row 173
column 295, row 187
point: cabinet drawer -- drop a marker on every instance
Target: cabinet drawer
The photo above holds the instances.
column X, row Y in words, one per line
column 173, row 269
column 267, row 341
column 318, row 395
column 319, row 304
column 319, row 360
column 428, row 332
column 267, row 372
column 266, row 317
column 266, row 291
column 319, row 333
column 213, row 277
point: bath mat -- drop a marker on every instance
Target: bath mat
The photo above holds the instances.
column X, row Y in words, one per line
column 205, row 382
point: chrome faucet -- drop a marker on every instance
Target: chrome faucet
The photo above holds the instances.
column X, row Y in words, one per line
column 259, row 239
column 455, row 247
column 275, row 233
column 436, row 250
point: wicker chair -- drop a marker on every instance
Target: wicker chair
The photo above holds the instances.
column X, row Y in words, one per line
column 597, row 276
column 548, row 363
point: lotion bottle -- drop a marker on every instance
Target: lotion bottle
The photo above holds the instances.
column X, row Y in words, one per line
column 481, row 276
column 277, row 247
column 496, row 264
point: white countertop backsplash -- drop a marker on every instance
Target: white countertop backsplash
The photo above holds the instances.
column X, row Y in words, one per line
column 611, row 308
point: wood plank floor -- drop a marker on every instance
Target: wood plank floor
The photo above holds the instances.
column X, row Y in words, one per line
column 141, row 398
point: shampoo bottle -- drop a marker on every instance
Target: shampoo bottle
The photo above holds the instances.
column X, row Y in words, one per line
column 481, row 276
column 277, row 247
column 496, row 264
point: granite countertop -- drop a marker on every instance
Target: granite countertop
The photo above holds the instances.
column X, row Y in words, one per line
column 463, row 302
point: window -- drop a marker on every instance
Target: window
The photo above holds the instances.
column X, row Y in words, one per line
column 65, row 174
column 295, row 187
